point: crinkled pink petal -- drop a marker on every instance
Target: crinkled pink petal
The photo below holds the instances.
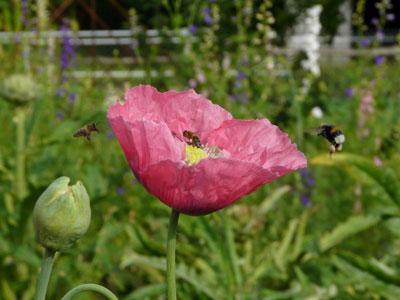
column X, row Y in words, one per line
column 149, row 127
column 181, row 111
column 210, row 185
column 258, row 142
column 146, row 143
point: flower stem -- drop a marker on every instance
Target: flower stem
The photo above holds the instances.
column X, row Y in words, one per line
column 171, row 245
column 90, row 287
column 20, row 182
column 44, row 276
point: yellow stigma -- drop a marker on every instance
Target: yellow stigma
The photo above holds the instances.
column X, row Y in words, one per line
column 194, row 155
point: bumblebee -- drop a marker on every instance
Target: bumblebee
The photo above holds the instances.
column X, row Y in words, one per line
column 192, row 139
column 86, row 131
column 334, row 136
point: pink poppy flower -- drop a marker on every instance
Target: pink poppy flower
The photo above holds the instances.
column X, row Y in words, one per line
column 231, row 158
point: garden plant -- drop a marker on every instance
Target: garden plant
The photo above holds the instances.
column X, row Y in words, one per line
column 206, row 177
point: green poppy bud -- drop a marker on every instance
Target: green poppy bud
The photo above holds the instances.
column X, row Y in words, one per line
column 61, row 214
column 19, row 89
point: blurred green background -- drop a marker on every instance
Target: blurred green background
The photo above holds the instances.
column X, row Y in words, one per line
column 331, row 231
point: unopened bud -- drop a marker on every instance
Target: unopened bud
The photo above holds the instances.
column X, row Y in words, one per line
column 61, row 214
column 18, row 89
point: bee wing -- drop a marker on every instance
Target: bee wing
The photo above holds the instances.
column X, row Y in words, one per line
column 79, row 133
column 312, row 131
column 92, row 127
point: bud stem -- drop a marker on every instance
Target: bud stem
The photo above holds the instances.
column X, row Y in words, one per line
column 90, row 287
column 20, row 185
column 171, row 246
column 45, row 272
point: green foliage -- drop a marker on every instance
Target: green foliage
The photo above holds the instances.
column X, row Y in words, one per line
column 343, row 245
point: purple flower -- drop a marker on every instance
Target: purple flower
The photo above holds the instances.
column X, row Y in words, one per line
column 242, row 98
column 60, row 115
column 390, row 17
column 120, row 191
column 379, row 59
column 380, row 35
column 208, row 20
column 110, row 135
column 193, row 29
column 305, row 199
column 349, row 92
column 68, row 53
column 365, row 42
column 308, row 181
column 241, row 76
column 24, row 16
column 304, row 172
column 60, row 92
column 375, row 21
column 307, row 178
column 193, row 83
column 377, row 161
column 17, row 38
column 72, row 97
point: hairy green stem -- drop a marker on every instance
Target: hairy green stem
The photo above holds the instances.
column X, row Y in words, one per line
column 230, row 242
column 20, row 181
column 171, row 246
column 90, row 287
column 45, row 272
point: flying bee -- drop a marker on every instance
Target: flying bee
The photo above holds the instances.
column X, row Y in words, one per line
column 334, row 136
column 86, row 131
column 192, row 139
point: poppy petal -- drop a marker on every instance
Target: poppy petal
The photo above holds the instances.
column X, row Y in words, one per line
column 146, row 142
column 181, row 111
column 208, row 186
column 259, row 142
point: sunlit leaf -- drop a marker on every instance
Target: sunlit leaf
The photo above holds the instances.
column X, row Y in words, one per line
column 383, row 177
column 344, row 230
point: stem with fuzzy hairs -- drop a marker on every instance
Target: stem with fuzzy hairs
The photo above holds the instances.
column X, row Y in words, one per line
column 45, row 272
column 20, row 181
column 171, row 246
column 90, row 287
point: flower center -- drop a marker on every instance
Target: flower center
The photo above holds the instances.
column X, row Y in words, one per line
column 194, row 155
column 196, row 151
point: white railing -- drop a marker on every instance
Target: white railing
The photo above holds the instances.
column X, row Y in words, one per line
column 95, row 38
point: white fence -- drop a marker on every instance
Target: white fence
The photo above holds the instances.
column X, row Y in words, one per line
column 98, row 38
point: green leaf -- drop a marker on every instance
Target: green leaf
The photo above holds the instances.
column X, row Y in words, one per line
column 182, row 271
column 368, row 281
column 374, row 267
column 267, row 205
column 95, row 181
column 385, row 178
column 63, row 132
column 150, row 245
column 350, row 227
column 6, row 291
column 151, row 291
column 281, row 255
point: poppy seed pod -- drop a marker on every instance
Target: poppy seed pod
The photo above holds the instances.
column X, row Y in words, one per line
column 18, row 89
column 61, row 214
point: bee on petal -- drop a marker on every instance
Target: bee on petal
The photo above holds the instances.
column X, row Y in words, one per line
column 192, row 139
column 86, row 131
